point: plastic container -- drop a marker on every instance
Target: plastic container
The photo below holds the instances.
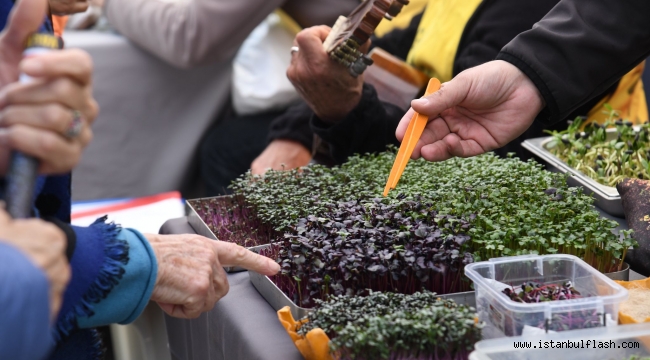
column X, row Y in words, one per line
column 605, row 343
column 504, row 317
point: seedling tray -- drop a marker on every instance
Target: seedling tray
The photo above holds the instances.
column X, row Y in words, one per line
column 277, row 299
column 504, row 317
column 607, row 197
column 584, row 345
column 201, row 227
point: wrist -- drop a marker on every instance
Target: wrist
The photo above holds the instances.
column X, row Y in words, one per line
column 335, row 113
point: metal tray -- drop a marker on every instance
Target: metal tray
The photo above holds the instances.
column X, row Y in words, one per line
column 607, row 197
column 201, row 228
column 277, row 299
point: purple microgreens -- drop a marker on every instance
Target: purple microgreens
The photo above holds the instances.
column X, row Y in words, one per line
column 374, row 245
column 534, row 292
column 232, row 220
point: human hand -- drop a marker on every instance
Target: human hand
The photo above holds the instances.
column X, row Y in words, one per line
column 327, row 87
column 481, row 109
column 190, row 276
column 35, row 117
column 44, row 244
column 281, row 155
column 67, row 7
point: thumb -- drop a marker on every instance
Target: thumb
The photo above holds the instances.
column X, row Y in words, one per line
column 26, row 17
column 450, row 94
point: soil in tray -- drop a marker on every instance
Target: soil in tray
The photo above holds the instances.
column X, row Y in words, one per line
column 231, row 220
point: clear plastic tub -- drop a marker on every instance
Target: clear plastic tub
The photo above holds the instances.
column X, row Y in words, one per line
column 504, row 317
column 604, row 343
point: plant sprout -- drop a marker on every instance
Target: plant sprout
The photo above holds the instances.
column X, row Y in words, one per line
column 517, row 207
column 393, row 326
column 532, row 292
column 607, row 157
column 535, row 292
column 232, row 221
column 384, row 247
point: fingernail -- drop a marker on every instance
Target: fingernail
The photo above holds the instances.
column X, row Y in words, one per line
column 273, row 268
column 32, row 66
column 420, row 102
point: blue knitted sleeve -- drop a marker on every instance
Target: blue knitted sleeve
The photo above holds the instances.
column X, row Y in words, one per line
column 113, row 274
column 131, row 295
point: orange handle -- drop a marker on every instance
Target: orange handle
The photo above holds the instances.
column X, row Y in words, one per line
column 413, row 133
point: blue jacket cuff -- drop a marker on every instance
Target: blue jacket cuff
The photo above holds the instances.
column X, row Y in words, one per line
column 130, row 296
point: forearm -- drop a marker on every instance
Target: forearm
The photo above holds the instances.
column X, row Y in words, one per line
column 188, row 33
column 579, row 50
column 369, row 128
column 24, row 307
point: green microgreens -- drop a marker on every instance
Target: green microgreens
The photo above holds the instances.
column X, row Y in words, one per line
column 593, row 153
column 396, row 326
column 520, row 208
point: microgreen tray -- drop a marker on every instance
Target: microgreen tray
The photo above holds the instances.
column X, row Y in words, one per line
column 233, row 223
column 606, row 198
column 597, row 306
column 277, row 299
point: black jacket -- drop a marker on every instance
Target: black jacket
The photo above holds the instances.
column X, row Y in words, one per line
column 580, row 50
column 371, row 125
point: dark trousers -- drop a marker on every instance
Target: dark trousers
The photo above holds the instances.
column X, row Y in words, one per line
column 230, row 147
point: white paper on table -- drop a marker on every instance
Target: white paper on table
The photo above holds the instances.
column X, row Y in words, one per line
column 145, row 214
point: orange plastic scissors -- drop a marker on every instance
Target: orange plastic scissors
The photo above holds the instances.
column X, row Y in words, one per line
column 413, row 134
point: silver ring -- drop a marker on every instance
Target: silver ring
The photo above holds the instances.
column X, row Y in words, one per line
column 75, row 126
column 294, row 49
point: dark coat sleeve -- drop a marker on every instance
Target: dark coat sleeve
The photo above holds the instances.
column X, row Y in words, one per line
column 579, row 50
column 369, row 128
column 493, row 25
column 293, row 124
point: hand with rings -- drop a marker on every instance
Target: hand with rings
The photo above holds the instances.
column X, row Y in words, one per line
column 50, row 117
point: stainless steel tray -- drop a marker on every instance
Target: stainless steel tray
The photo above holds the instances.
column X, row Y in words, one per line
column 277, row 299
column 201, row 228
column 607, row 197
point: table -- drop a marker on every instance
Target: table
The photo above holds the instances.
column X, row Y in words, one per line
column 242, row 325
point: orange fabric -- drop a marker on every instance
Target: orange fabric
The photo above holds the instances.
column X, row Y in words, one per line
column 314, row 346
column 58, row 23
